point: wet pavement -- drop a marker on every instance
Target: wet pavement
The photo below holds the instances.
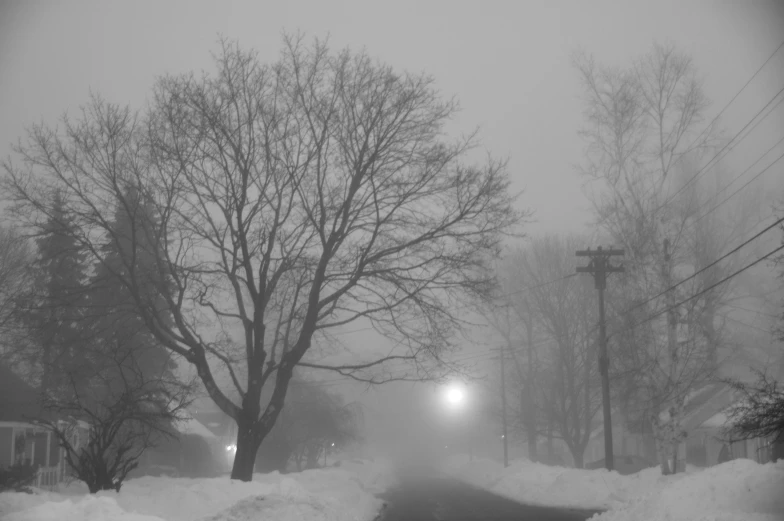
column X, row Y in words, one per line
column 444, row 499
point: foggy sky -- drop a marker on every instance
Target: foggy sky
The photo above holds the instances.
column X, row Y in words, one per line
column 507, row 62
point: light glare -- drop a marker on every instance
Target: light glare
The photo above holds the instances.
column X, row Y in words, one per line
column 454, row 396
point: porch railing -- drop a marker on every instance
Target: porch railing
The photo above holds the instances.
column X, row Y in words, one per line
column 47, row 477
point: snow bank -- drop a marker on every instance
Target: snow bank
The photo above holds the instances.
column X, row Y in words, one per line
column 376, row 475
column 739, row 490
column 338, row 493
column 734, row 491
column 545, row 485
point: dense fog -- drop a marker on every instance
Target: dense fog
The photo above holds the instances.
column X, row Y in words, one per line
column 440, row 242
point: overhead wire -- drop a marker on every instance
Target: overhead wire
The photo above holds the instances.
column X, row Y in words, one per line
column 716, row 118
column 467, row 306
column 491, row 352
column 728, row 147
column 732, row 100
column 747, row 183
column 702, row 292
column 755, row 311
column 750, row 326
column 707, row 267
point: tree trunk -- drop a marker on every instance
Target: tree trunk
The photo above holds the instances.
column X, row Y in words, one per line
column 661, row 446
column 312, row 457
column 578, row 455
column 530, row 405
column 530, row 422
column 251, row 430
column 245, row 457
column 298, row 460
column 550, row 448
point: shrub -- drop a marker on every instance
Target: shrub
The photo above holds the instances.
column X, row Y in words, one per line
column 17, row 477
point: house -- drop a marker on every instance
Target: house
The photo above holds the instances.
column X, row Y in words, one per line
column 706, row 423
column 194, row 451
column 21, row 439
column 222, row 428
column 709, row 443
column 626, row 442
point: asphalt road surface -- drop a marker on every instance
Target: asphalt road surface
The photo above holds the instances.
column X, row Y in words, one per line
column 443, row 499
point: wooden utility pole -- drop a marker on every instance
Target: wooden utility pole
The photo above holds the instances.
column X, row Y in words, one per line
column 528, row 400
column 599, row 266
column 672, row 324
column 503, row 409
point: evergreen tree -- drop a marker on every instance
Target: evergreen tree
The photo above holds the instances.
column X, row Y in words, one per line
column 118, row 327
column 55, row 312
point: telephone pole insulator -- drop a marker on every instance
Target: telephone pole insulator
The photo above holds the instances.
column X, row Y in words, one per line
column 599, row 266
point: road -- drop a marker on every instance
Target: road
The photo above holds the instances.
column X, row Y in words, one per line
column 443, row 499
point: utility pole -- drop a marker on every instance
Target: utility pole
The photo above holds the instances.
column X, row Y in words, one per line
column 528, row 398
column 599, row 266
column 672, row 324
column 503, row 409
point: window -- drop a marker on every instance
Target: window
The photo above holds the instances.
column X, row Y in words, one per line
column 19, row 447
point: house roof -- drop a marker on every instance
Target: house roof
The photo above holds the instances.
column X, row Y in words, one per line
column 717, row 421
column 190, row 425
column 703, row 409
column 215, row 421
column 19, row 401
column 705, row 403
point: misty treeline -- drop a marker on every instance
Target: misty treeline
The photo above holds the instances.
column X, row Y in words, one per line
column 652, row 177
column 313, row 423
column 242, row 216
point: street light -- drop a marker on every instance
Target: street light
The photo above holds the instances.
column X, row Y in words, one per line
column 455, row 396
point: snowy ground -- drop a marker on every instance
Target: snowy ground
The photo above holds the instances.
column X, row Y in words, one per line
column 739, row 490
column 337, row 493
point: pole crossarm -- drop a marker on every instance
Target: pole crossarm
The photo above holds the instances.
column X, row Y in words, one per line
column 598, row 252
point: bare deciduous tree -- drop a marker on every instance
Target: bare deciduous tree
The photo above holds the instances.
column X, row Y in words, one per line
column 546, row 317
column 290, row 198
column 563, row 306
column 648, row 163
column 123, row 412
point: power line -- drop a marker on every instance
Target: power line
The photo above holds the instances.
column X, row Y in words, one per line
column 462, row 307
column 750, row 326
column 490, row 352
column 760, row 158
column 729, row 146
column 537, row 286
column 747, row 183
column 756, row 311
column 709, row 288
column 710, row 125
column 696, row 273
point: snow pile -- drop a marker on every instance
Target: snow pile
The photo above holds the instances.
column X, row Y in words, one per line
column 545, row 485
column 375, row 475
column 739, row 490
column 89, row 508
column 324, row 494
column 734, row 491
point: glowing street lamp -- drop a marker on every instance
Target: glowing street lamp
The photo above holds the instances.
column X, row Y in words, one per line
column 455, row 396
column 456, row 399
